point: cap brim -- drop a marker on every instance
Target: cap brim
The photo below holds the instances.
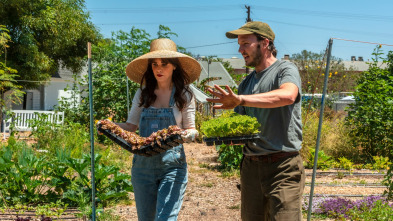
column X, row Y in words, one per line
column 235, row 33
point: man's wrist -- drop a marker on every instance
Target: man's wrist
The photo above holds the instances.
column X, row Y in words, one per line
column 242, row 101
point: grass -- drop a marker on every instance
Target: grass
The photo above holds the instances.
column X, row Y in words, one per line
column 207, row 185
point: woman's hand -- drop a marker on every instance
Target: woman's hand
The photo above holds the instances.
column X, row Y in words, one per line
column 189, row 135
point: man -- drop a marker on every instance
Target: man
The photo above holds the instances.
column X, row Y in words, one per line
column 272, row 173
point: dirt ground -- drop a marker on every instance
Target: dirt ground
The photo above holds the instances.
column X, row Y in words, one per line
column 210, row 196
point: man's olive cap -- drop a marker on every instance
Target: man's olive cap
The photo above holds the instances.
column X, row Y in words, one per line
column 256, row 27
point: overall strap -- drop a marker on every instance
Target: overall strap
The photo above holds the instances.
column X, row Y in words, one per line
column 172, row 100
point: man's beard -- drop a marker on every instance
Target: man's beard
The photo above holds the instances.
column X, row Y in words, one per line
column 256, row 57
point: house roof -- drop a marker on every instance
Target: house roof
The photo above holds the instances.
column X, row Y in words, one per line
column 216, row 69
column 236, row 63
column 361, row 65
column 66, row 74
column 200, row 96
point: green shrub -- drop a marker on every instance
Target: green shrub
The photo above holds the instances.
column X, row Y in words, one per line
column 230, row 156
column 371, row 116
column 335, row 140
column 346, row 164
column 381, row 163
column 324, row 161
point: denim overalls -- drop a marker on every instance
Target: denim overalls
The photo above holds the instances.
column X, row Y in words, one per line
column 159, row 181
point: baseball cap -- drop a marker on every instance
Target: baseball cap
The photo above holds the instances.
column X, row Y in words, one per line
column 256, row 27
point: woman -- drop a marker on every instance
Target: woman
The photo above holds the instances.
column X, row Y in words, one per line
column 163, row 99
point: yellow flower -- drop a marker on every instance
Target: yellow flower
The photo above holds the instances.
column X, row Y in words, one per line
column 335, row 72
column 330, row 75
column 110, row 118
column 309, row 82
column 344, row 76
column 306, row 66
column 96, row 121
column 323, row 74
column 319, row 67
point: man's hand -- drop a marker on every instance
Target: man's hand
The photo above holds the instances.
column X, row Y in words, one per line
column 227, row 99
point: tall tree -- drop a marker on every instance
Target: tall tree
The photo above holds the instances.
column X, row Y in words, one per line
column 46, row 34
column 7, row 76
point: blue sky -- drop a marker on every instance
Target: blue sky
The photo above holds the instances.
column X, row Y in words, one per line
column 298, row 25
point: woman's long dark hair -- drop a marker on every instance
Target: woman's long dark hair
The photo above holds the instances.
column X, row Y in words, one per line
column 179, row 79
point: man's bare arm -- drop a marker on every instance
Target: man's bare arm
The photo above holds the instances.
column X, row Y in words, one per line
column 285, row 95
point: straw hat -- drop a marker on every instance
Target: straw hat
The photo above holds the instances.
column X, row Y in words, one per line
column 163, row 48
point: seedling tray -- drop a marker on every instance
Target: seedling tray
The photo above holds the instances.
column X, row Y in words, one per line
column 235, row 140
column 146, row 150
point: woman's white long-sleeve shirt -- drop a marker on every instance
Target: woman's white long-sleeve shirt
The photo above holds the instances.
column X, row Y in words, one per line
column 184, row 119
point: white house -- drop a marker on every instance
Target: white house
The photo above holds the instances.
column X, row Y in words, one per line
column 47, row 95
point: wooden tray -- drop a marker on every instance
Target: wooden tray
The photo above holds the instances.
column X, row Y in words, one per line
column 147, row 150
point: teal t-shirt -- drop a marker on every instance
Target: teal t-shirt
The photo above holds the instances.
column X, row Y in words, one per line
column 281, row 127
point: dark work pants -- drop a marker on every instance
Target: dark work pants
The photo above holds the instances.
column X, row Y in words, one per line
column 272, row 190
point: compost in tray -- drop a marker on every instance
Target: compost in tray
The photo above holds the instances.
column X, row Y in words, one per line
column 152, row 149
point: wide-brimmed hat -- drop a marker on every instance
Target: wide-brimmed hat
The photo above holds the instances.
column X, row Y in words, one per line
column 163, row 48
column 256, row 27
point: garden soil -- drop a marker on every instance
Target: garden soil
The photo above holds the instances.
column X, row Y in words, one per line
column 212, row 196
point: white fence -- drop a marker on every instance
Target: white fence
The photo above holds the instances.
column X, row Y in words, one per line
column 22, row 119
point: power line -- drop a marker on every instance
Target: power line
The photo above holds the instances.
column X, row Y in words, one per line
column 172, row 22
column 331, row 29
column 365, row 42
column 324, row 13
column 211, row 45
column 165, row 9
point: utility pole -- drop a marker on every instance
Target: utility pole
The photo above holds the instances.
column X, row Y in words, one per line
column 248, row 20
column 248, row 13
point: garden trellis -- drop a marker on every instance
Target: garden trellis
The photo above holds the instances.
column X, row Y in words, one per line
column 328, row 52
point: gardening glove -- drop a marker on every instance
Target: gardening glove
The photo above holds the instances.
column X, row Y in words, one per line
column 189, row 135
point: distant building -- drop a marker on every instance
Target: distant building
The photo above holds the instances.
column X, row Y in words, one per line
column 216, row 69
column 238, row 65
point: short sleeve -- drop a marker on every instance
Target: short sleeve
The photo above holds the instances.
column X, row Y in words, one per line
column 290, row 74
column 135, row 113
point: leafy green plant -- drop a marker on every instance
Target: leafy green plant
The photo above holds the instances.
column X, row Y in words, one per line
column 388, row 182
column 111, row 185
column 381, row 163
column 45, row 133
column 230, row 124
column 346, row 164
column 230, row 156
column 324, row 161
